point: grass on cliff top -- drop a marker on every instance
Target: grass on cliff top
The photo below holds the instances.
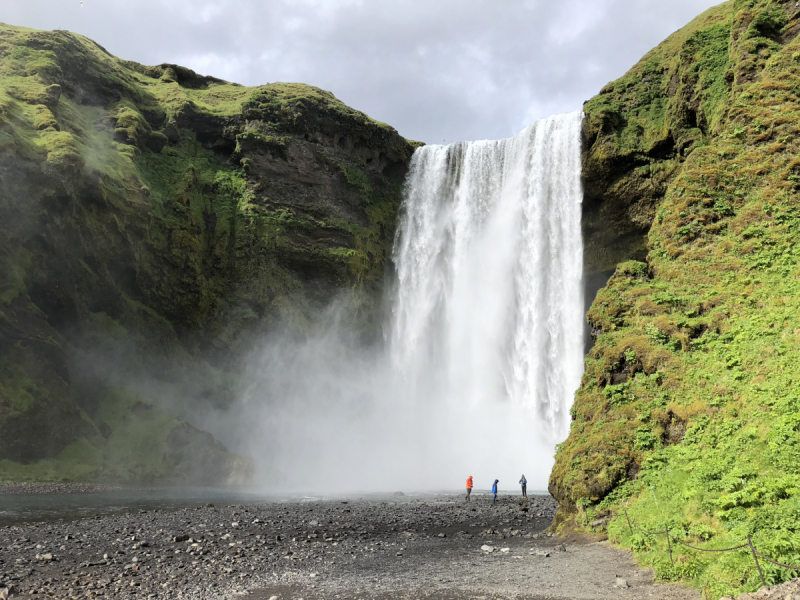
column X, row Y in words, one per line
column 31, row 60
column 688, row 411
column 646, row 105
column 670, row 49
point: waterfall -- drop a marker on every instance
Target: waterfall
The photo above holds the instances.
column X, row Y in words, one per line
column 488, row 301
column 484, row 339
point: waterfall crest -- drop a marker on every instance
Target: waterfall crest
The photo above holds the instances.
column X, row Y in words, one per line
column 488, row 302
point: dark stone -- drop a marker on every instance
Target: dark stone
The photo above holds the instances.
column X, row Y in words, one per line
column 53, row 95
column 172, row 133
column 156, row 142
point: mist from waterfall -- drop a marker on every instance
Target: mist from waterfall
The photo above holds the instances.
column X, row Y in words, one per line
column 483, row 337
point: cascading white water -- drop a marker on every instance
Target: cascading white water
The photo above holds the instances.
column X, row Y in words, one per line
column 488, row 303
column 485, row 337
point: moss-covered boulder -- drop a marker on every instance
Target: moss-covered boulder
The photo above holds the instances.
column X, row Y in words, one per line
column 154, row 224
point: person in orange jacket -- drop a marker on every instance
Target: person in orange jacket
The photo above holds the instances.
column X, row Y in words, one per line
column 469, row 486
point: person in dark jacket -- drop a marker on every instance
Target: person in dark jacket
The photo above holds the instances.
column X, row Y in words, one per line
column 494, row 490
column 524, row 483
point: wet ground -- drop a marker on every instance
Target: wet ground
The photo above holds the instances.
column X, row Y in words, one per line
column 28, row 503
column 392, row 547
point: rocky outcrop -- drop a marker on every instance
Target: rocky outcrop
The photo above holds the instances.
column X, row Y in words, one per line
column 158, row 221
column 640, row 129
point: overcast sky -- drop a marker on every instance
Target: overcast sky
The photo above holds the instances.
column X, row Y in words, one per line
column 434, row 69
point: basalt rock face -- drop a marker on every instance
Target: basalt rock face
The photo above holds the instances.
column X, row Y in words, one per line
column 686, row 416
column 155, row 220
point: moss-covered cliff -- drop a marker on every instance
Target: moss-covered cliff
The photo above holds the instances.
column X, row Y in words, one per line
column 688, row 411
column 155, row 220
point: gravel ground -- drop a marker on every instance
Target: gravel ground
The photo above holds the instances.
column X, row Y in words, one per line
column 392, row 547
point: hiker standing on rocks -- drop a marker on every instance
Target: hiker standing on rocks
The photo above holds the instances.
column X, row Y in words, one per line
column 494, row 490
column 524, row 483
column 469, row 486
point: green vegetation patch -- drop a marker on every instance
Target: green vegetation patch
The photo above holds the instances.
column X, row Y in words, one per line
column 687, row 413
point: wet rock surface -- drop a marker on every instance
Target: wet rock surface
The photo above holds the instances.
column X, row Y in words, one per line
column 377, row 547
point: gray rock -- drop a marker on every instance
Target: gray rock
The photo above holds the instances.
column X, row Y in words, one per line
column 599, row 523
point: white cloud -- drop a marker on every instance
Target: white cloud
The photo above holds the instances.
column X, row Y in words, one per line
column 435, row 69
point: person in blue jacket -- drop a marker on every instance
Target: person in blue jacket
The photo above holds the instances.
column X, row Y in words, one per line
column 494, row 490
column 524, row 483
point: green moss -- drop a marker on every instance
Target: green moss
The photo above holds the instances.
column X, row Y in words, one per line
column 80, row 461
column 686, row 414
column 18, row 392
column 356, row 177
column 288, row 101
column 251, row 140
column 131, row 127
column 12, row 275
column 138, row 306
column 136, row 448
column 108, row 326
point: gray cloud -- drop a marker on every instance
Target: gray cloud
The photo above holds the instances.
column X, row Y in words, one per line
column 434, row 69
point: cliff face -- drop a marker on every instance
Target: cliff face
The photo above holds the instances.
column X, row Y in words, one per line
column 687, row 412
column 639, row 130
column 154, row 220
